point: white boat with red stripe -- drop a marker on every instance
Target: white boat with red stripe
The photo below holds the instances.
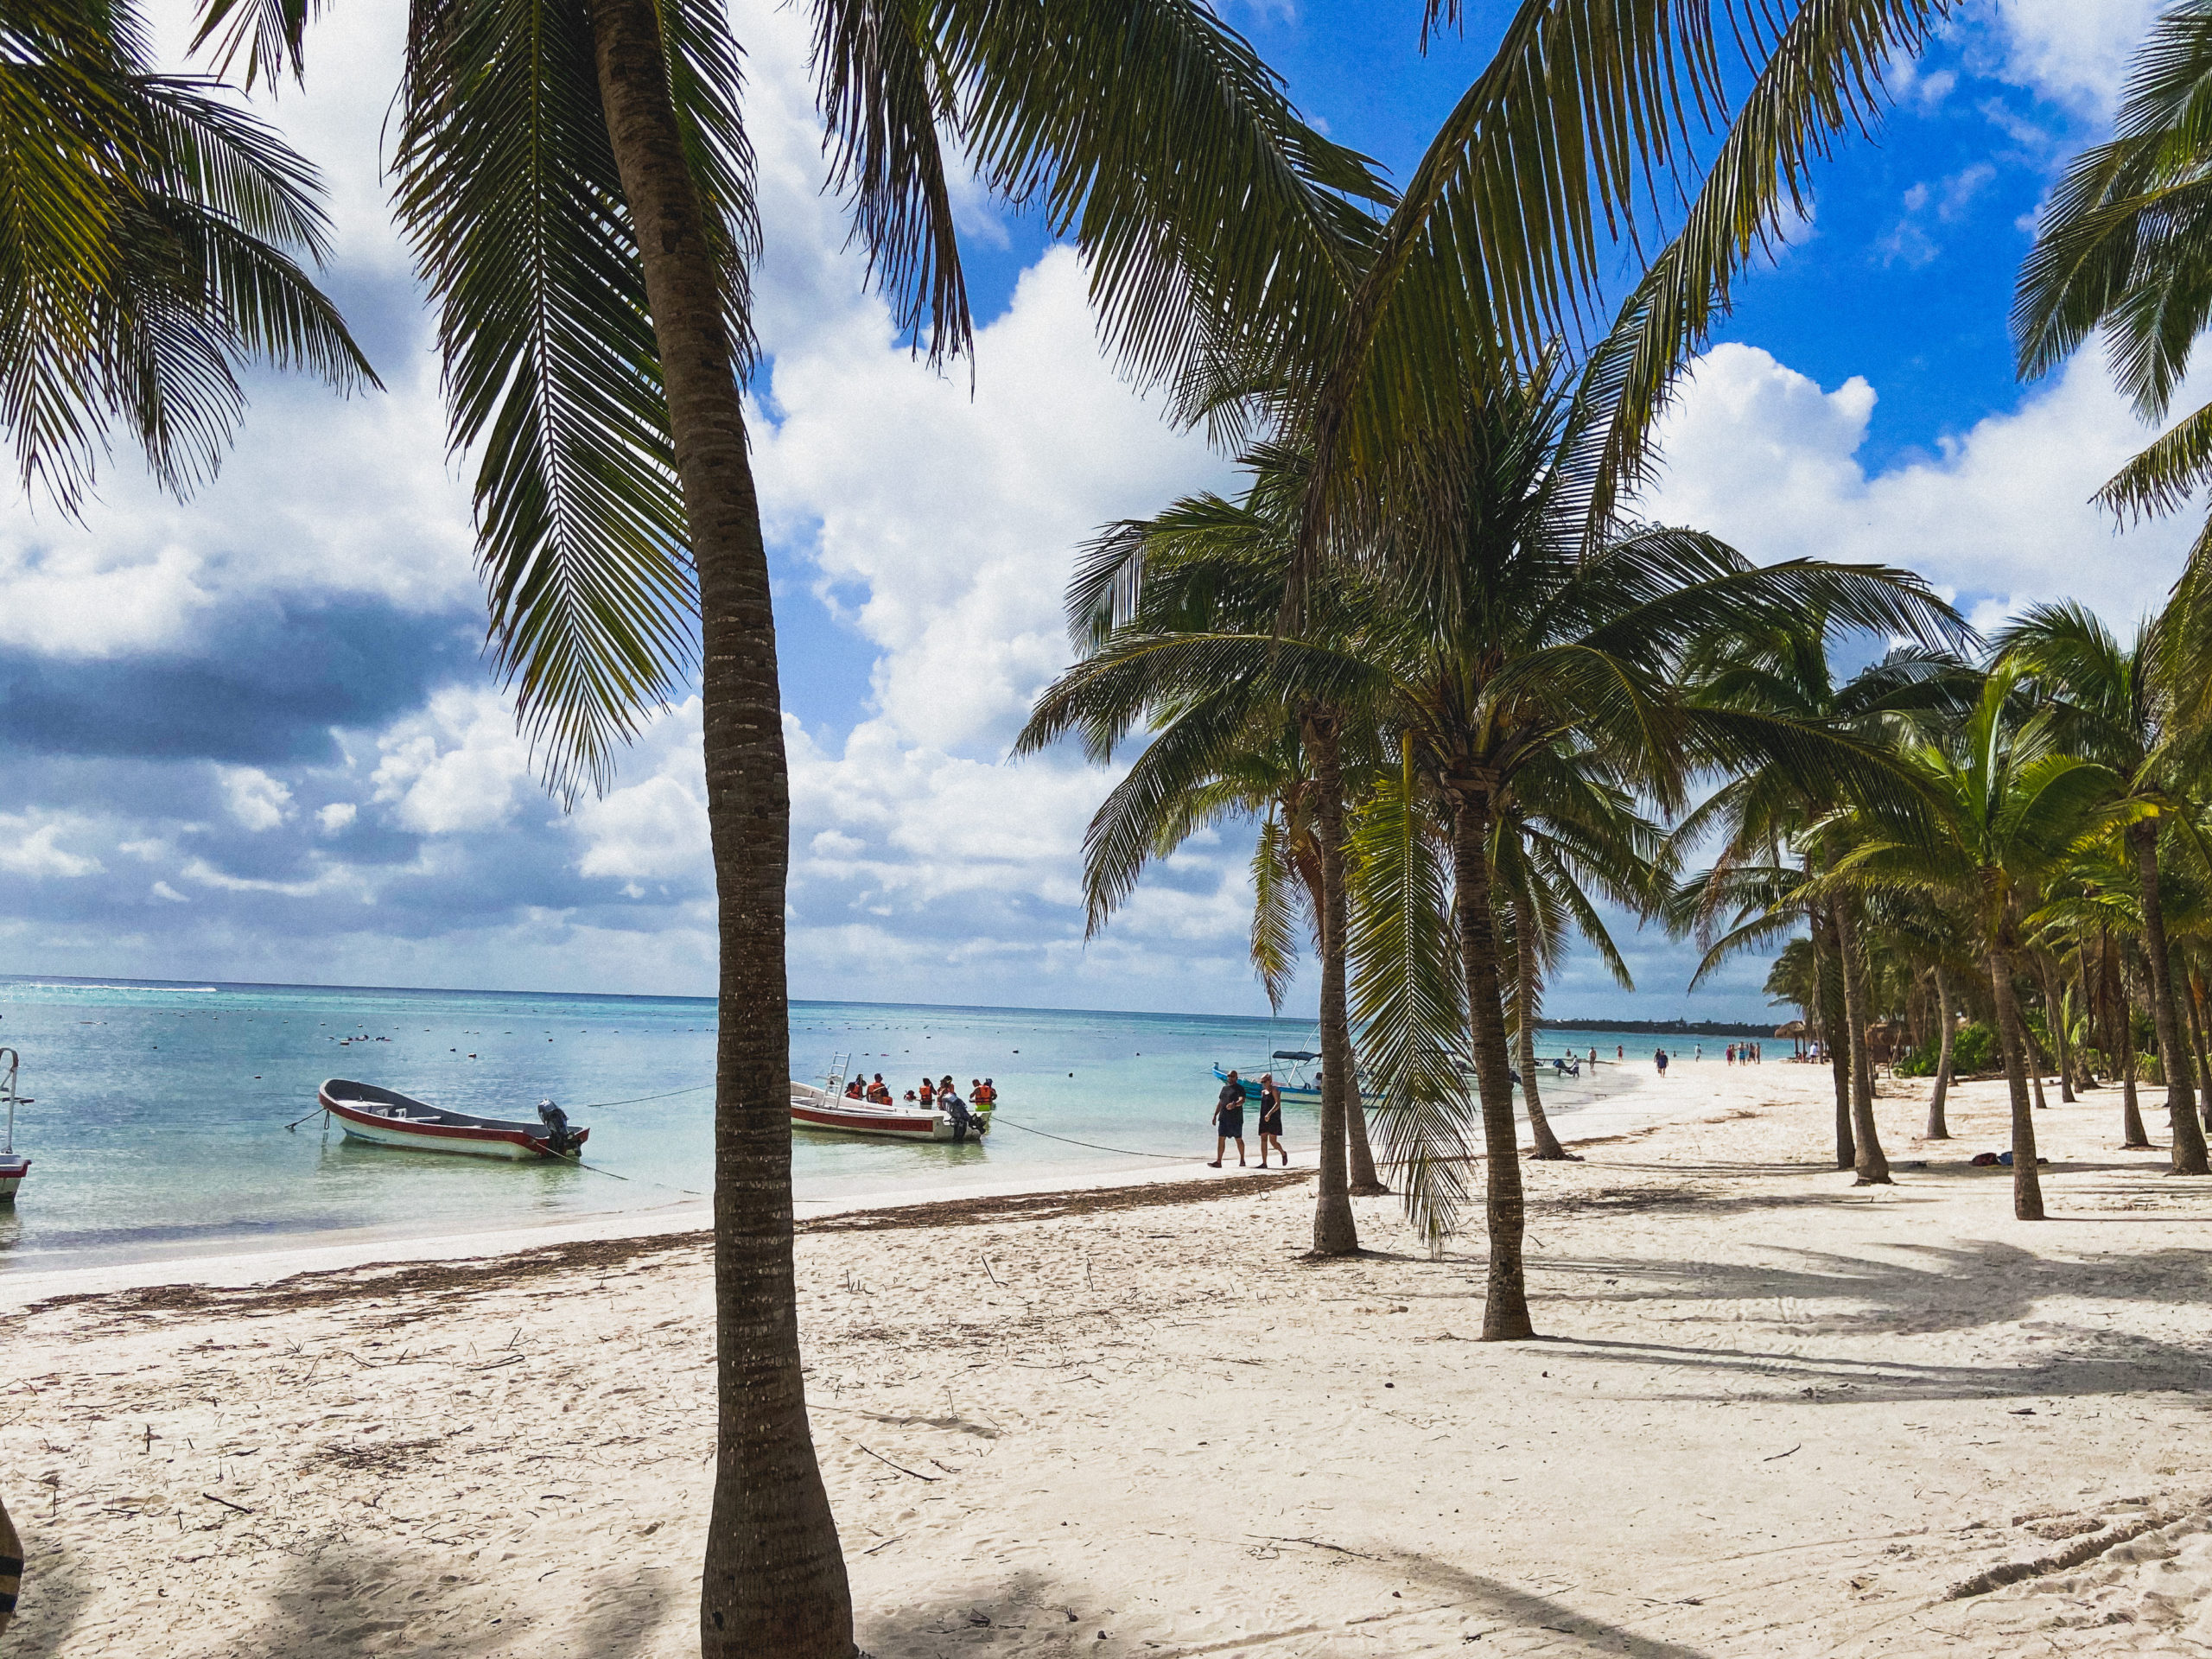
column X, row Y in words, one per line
column 828, row 1109
column 385, row 1117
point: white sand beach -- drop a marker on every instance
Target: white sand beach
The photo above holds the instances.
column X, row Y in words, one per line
column 1769, row 1413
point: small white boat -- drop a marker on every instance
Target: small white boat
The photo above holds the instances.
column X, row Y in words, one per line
column 385, row 1117
column 12, row 1167
column 828, row 1109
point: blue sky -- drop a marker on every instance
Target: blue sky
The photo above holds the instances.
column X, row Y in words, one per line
column 252, row 737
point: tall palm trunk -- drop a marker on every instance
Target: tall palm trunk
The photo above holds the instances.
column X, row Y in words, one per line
column 2193, row 991
column 2133, row 1134
column 11, row 1568
column 1525, row 997
column 1505, row 1306
column 2189, row 1154
column 2054, row 1019
column 2085, row 1074
column 775, row 1580
column 1873, row 1168
column 1335, row 1232
column 1937, row 1129
column 1834, row 1030
column 1365, row 1182
column 2027, row 1184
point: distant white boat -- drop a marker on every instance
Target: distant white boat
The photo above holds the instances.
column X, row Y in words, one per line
column 12, row 1167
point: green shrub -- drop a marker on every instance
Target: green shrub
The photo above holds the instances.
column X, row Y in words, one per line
column 1973, row 1051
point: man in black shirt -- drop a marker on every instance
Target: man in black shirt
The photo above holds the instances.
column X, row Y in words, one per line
column 1229, row 1121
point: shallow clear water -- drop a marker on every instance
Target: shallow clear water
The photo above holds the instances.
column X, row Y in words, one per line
column 157, row 1126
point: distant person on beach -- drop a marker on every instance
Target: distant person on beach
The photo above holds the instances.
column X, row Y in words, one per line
column 1659, row 1059
column 1620, row 1051
column 1593, row 1059
column 1732, row 1054
column 1229, row 1121
column 1270, row 1119
column 1699, row 1052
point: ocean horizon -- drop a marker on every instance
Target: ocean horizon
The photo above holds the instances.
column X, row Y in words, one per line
column 157, row 1126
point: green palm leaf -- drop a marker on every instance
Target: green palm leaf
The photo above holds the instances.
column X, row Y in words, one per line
column 508, row 190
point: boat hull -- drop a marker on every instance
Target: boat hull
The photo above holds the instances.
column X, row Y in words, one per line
column 12, row 1171
column 1292, row 1095
column 383, row 1118
column 812, row 1110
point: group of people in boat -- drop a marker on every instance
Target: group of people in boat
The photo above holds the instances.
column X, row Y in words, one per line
column 942, row 1096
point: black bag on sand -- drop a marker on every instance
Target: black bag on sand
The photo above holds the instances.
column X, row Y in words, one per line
column 11, row 1568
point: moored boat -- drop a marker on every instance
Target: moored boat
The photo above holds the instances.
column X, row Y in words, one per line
column 814, row 1108
column 1297, row 1085
column 12, row 1166
column 385, row 1117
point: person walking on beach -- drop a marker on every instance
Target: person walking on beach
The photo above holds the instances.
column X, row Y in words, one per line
column 1659, row 1059
column 1271, row 1119
column 1229, row 1121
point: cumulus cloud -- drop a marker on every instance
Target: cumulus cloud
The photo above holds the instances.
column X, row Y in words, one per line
column 458, row 766
column 2073, row 51
column 1760, row 453
column 256, row 799
column 30, row 845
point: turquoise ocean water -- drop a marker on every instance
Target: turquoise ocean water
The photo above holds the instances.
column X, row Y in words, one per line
column 157, row 1129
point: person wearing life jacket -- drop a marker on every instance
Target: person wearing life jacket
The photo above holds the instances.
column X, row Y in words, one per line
column 929, row 1094
column 879, row 1092
column 981, row 1096
column 853, row 1091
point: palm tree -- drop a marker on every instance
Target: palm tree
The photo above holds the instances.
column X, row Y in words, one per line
column 2104, row 701
column 576, row 183
column 151, row 240
column 2121, row 248
column 11, row 1569
column 2008, row 803
column 1787, row 674
column 1568, row 829
column 1166, row 610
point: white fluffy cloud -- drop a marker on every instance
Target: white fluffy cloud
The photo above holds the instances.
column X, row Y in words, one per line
column 30, row 845
column 256, row 800
column 1759, row 453
column 456, row 767
column 2073, row 52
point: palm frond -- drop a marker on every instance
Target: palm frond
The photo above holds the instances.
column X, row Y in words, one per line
column 508, row 193
column 1407, row 999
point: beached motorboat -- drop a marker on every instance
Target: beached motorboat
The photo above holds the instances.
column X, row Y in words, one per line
column 388, row 1118
column 13, row 1168
column 814, row 1108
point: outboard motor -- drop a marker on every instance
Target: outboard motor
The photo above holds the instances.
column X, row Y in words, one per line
column 961, row 1119
column 558, row 1135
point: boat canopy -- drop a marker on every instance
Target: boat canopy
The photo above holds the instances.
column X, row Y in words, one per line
column 1292, row 1054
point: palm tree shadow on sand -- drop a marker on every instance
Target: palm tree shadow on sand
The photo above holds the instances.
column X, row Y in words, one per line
column 1030, row 1600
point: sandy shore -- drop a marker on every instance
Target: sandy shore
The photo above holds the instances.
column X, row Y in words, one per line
column 1771, row 1414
